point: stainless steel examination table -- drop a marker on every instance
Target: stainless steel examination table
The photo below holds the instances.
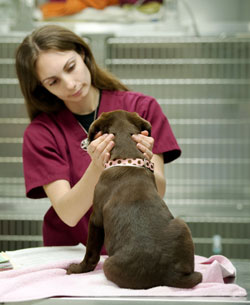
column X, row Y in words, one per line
column 242, row 279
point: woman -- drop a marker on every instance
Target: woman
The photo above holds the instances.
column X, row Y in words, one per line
column 65, row 91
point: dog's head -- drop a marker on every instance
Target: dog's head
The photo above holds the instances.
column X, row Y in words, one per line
column 123, row 125
column 119, row 121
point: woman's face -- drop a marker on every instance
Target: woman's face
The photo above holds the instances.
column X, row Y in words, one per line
column 65, row 75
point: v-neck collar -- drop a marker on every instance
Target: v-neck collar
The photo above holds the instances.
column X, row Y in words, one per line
column 70, row 122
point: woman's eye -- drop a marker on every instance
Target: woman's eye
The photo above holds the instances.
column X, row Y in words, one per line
column 52, row 83
column 71, row 67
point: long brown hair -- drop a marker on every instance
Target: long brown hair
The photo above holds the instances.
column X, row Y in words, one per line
column 52, row 37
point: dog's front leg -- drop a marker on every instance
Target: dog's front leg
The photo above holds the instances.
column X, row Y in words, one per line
column 93, row 249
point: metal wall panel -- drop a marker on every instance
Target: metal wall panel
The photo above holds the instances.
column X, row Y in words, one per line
column 202, row 85
column 20, row 218
column 18, row 226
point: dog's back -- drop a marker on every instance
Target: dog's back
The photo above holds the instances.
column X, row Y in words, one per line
column 146, row 245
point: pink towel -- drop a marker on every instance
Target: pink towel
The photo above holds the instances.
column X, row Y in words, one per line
column 51, row 280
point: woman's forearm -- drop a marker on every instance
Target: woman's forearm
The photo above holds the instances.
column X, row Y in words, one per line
column 161, row 185
column 71, row 204
column 159, row 174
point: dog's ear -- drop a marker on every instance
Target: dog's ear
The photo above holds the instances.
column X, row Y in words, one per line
column 101, row 124
column 146, row 126
column 141, row 123
column 93, row 130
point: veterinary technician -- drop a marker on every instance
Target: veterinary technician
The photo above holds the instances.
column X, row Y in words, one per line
column 65, row 91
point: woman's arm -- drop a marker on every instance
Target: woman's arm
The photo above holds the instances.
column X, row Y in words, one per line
column 159, row 174
column 71, row 204
column 145, row 144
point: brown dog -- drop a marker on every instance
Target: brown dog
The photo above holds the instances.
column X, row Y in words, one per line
column 146, row 245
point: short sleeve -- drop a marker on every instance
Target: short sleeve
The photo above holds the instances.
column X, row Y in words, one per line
column 165, row 141
column 43, row 162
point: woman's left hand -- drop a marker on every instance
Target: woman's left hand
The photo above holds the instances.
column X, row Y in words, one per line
column 144, row 143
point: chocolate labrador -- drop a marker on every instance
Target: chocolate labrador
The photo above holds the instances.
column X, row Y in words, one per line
column 146, row 245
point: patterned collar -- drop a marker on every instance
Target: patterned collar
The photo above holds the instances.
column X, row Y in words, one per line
column 130, row 162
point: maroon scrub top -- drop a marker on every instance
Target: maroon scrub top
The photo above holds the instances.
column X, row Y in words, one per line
column 52, row 151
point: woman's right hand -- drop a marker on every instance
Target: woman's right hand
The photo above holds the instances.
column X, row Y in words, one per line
column 99, row 149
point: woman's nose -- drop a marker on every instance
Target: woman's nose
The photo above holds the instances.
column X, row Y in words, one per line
column 70, row 84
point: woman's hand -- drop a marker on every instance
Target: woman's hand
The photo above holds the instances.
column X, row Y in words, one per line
column 144, row 143
column 99, row 149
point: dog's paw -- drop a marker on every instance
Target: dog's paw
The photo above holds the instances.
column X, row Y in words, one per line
column 74, row 268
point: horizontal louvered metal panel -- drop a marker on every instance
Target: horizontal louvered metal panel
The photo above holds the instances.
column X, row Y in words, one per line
column 231, row 250
column 208, row 170
column 12, row 127
column 11, row 189
column 8, row 46
column 211, row 128
column 133, row 71
column 189, row 48
column 218, row 149
column 10, row 150
column 229, row 191
column 209, row 207
column 19, row 228
column 7, row 68
column 228, row 229
column 18, row 243
column 186, row 89
column 9, row 88
column 11, row 169
column 23, row 209
column 11, row 108
column 202, row 85
column 219, row 109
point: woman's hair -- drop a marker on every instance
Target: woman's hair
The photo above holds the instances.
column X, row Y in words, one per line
column 51, row 37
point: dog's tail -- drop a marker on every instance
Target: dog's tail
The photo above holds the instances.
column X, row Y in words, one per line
column 182, row 280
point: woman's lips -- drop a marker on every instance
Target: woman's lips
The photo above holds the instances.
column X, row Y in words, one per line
column 77, row 93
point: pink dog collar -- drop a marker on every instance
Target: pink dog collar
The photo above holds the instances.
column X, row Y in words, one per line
column 131, row 162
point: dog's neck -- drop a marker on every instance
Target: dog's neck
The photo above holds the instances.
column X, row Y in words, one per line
column 126, row 153
column 136, row 162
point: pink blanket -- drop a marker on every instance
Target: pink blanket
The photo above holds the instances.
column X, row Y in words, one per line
column 51, row 280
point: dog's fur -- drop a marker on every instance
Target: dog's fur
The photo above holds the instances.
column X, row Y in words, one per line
column 146, row 245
